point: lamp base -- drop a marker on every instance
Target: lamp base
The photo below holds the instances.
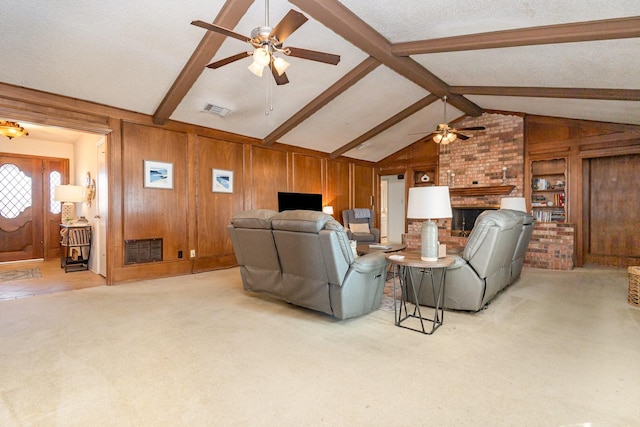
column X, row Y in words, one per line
column 68, row 212
column 429, row 241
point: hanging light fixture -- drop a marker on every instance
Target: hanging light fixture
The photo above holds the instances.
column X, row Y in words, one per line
column 12, row 129
column 444, row 136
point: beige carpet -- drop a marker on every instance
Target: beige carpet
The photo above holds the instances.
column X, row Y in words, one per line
column 557, row 348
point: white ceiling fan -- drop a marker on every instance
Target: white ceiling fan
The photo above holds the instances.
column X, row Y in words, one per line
column 446, row 134
column 267, row 43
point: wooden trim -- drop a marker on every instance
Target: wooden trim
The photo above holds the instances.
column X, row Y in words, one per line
column 493, row 190
column 417, row 106
column 335, row 16
column 606, row 29
column 351, row 78
column 551, row 92
column 229, row 16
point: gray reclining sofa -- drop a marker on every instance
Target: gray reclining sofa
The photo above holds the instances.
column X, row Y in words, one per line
column 492, row 260
column 304, row 258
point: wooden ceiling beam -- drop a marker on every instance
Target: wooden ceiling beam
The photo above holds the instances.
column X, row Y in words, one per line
column 333, row 15
column 392, row 121
column 348, row 80
column 228, row 17
column 606, row 29
column 551, row 92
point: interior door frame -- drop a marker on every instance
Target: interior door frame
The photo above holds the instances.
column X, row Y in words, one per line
column 45, row 224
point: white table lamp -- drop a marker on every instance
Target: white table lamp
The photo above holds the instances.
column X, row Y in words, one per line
column 68, row 194
column 328, row 210
column 513, row 203
column 429, row 203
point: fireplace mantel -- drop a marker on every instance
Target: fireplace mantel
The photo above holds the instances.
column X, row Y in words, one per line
column 492, row 190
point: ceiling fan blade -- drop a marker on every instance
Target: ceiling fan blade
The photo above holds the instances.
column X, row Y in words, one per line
column 291, row 22
column 327, row 58
column 229, row 60
column 280, row 79
column 220, row 30
column 462, row 137
column 473, row 128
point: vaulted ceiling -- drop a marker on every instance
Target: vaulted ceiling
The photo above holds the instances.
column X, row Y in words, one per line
column 398, row 59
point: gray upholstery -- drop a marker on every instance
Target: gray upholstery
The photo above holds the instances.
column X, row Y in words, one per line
column 494, row 250
column 348, row 217
column 304, row 257
column 521, row 246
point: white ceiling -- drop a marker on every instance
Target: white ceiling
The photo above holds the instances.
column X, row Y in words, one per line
column 127, row 54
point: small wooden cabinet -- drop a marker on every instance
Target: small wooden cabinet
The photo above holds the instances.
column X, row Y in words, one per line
column 548, row 190
column 424, row 177
column 75, row 247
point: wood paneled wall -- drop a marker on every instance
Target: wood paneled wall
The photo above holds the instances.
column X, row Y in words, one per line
column 190, row 216
column 580, row 142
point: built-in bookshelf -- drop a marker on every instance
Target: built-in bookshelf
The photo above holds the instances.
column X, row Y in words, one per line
column 548, row 190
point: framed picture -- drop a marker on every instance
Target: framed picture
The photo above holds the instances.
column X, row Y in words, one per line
column 158, row 174
column 222, row 181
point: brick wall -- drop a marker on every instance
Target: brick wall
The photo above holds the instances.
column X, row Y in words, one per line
column 551, row 246
column 480, row 158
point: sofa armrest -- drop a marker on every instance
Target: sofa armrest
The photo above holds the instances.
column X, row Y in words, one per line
column 458, row 262
column 370, row 262
column 376, row 234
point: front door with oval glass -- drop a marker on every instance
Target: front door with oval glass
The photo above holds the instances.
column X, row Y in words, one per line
column 29, row 217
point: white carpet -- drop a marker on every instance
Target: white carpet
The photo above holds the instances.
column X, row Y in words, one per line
column 557, row 348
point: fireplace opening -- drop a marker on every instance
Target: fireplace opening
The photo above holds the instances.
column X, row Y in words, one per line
column 464, row 218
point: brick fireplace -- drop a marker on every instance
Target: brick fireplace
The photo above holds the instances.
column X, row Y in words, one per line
column 470, row 166
column 473, row 169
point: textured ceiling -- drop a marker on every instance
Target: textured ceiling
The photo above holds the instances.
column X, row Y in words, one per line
column 128, row 54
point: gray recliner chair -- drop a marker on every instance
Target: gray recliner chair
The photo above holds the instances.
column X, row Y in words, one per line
column 359, row 225
column 485, row 267
column 304, row 258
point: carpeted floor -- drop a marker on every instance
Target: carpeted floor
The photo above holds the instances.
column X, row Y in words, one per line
column 20, row 274
column 554, row 349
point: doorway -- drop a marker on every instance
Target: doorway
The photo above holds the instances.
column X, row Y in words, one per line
column 29, row 216
column 392, row 208
column 610, row 207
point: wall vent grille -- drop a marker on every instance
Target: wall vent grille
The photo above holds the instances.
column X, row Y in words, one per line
column 142, row 250
column 217, row 110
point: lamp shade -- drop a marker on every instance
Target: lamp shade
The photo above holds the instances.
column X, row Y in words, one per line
column 429, row 202
column 328, row 210
column 67, row 193
column 513, row 203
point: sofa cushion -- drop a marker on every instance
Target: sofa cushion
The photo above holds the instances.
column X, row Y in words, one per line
column 255, row 218
column 300, row 220
column 359, row 228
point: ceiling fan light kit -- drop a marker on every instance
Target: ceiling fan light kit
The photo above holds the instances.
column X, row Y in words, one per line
column 445, row 134
column 268, row 41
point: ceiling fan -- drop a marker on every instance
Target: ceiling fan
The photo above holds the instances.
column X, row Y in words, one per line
column 446, row 134
column 267, row 42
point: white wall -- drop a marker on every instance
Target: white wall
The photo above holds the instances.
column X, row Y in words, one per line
column 86, row 156
column 395, row 208
column 35, row 147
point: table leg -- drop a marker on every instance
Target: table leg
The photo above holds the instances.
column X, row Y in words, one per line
column 438, row 292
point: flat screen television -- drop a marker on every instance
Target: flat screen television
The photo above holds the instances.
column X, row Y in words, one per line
column 306, row 201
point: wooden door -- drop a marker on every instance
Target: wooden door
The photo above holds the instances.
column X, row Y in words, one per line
column 55, row 171
column 29, row 217
column 612, row 217
column 21, row 201
column 363, row 187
